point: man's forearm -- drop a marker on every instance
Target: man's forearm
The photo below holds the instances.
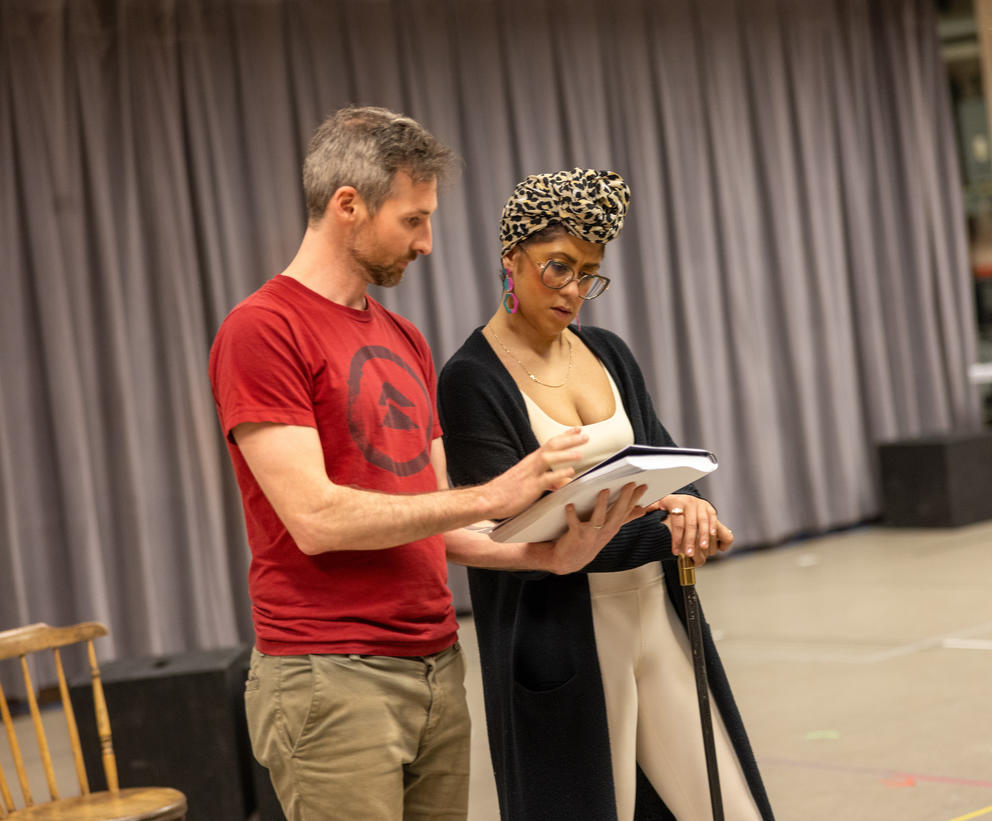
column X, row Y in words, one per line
column 287, row 461
column 354, row 519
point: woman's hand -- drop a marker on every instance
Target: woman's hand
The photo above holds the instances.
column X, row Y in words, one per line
column 579, row 545
column 696, row 530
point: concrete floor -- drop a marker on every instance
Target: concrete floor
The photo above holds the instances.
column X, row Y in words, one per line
column 861, row 662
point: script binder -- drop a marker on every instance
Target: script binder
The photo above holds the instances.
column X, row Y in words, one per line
column 663, row 469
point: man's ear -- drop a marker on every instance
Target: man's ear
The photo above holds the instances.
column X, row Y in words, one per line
column 346, row 203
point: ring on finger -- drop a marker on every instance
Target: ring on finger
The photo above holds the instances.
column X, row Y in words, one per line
column 676, row 511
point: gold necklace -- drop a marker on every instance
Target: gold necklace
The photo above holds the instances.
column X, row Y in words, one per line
column 533, row 378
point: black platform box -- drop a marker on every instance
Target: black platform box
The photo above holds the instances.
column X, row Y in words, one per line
column 177, row 721
column 937, row 481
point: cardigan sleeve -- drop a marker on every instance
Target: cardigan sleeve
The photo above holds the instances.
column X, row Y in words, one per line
column 476, row 413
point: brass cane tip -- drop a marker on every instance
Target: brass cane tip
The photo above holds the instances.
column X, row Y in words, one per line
column 687, row 571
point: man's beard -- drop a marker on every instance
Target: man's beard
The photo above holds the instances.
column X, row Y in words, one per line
column 379, row 273
column 386, row 276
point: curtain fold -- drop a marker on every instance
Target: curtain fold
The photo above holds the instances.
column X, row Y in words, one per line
column 792, row 275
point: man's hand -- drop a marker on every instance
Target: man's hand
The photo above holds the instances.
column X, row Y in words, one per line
column 579, row 545
column 696, row 530
column 523, row 484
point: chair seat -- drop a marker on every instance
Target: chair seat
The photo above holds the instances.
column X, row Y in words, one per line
column 133, row 804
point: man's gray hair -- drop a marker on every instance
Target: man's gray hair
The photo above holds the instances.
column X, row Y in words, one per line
column 364, row 147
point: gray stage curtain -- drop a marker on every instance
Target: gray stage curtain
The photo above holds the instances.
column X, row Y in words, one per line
column 792, row 275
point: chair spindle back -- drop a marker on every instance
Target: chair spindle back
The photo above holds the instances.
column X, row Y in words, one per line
column 37, row 638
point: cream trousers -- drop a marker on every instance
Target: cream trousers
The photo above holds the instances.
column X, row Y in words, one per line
column 651, row 704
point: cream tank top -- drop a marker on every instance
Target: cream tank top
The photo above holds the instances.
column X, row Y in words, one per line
column 605, row 437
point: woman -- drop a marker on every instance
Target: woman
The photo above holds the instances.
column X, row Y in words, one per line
column 589, row 690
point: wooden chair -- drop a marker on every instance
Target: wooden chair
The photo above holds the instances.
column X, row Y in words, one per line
column 113, row 804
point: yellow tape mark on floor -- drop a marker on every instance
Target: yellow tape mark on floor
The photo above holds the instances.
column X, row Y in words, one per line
column 974, row 814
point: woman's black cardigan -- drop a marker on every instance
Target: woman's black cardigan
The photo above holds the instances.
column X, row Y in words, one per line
column 545, row 709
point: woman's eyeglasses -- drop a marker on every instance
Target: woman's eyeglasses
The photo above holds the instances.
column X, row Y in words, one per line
column 556, row 275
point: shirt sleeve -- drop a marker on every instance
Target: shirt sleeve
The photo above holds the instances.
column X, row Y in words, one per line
column 258, row 373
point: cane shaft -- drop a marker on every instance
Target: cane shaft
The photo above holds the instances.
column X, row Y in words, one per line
column 694, row 627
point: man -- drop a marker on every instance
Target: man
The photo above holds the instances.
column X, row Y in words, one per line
column 355, row 697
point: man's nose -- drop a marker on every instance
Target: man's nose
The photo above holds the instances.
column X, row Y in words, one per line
column 424, row 241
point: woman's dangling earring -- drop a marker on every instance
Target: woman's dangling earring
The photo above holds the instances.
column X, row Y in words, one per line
column 508, row 296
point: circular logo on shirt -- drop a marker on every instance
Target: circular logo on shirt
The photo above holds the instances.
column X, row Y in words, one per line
column 386, row 402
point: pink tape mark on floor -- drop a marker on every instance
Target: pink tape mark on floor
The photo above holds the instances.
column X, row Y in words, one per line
column 894, row 778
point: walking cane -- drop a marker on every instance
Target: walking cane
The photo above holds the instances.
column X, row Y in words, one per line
column 687, row 578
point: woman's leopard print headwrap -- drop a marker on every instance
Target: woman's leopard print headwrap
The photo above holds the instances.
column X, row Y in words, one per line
column 590, row 204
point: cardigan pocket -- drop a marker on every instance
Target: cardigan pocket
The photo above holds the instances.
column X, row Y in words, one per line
column 543, row 695
column 546, row 643
column 539, row 686
column 543, row 662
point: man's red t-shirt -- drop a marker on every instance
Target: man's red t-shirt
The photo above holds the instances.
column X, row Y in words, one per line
column 365, row 380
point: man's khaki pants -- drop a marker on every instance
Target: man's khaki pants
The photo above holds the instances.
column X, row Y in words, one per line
column 362, row 738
